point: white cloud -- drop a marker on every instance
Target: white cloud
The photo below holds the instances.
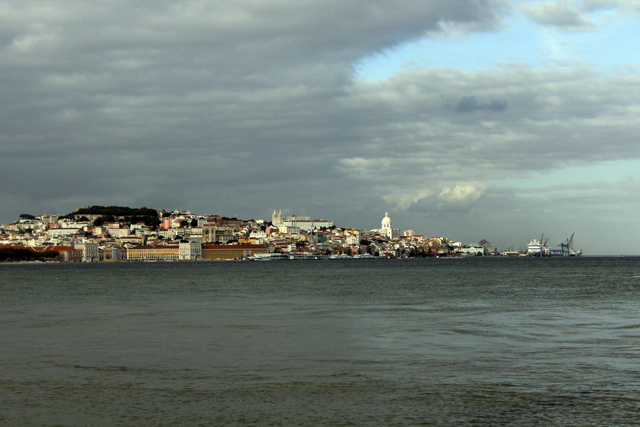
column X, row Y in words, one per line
column 633, row 6
column 452, row 200
column 556, row 14
column 593, row 5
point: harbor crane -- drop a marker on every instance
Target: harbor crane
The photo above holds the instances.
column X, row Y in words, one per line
column 566, row 246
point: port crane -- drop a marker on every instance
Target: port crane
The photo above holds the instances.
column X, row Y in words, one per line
column 566, row 246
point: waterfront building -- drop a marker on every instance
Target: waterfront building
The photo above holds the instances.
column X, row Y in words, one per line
column 90, row 251
column 112, row 253
column 474, row 250
column 190, row 250
column 65, row 253
column 158, row 253
column 229, row 252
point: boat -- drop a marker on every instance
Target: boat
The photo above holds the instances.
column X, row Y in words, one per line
column 575, row 252
column 341, row 256
column 510, row 253
column 534, row 248
column 539, row 248
column 364, row 256
column 269, row 257
column 307, row 257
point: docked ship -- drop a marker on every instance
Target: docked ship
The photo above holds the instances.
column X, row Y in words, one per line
column 364, row 256
column 269, row 257
column 538, row 248
column 534, row 248
column 340, row 256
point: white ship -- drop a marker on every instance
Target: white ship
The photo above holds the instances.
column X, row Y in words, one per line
column 269, row 257
column 534, row 248
column 539, row 248
column 340, row 256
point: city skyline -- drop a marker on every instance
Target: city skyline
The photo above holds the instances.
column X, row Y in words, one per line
column 47, row 229
column 492, row 119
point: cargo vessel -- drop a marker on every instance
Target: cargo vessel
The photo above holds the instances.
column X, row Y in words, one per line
column 539, row 248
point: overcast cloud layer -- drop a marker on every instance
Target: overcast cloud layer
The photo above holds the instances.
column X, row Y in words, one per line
column 243, row 107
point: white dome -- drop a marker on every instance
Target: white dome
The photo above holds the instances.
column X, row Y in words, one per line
column 386, row 221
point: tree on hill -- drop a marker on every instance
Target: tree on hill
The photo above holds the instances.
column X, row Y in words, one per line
column 116, row 211
column 152, row 222
column 27, row 216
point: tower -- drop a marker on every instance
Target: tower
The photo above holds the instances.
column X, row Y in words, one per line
column 276, row 218
column 386, row 225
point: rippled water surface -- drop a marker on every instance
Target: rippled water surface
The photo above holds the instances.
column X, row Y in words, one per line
column 451, row 342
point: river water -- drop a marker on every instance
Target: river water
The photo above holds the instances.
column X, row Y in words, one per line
column 442, row 342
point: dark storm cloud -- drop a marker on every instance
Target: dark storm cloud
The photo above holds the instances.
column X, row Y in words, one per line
column 233, row 90
column 554, row 117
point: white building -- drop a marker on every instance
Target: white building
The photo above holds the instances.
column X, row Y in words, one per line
column 289, row 229
column 276, row 218
column 304, row 223
column 387, row 229
column 258, row 235
column 116, row 252
column 90, row 252
column 61, row 232
column 118, row 233
column 353, row 238
column 191, row 250
column 474, row 249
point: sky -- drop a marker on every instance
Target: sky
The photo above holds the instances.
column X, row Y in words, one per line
column 468, row 119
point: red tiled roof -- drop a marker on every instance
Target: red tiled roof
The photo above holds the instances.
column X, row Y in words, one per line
column 15, row 247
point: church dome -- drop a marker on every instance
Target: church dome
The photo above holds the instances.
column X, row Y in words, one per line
column 386, row 221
